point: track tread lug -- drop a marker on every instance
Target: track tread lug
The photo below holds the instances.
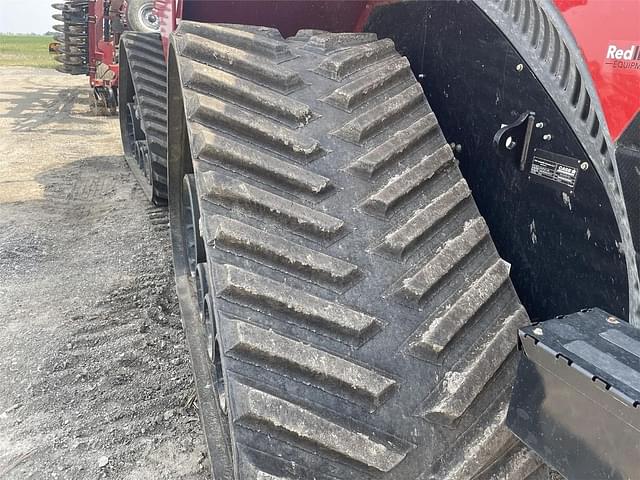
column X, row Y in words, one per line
column 408, row 181
column 239, row 237
column 213, row 112
column 330, row 371
column 214, row 148
column 203, row 78
column 236, row 61
column 398, row 241
column 434, row 337
column 445, row 261
column 243, row 286
column 347, row 61
column 382, row 76
column 396, row 147
column 259, row 409
column 297, row 216
column 465, row 380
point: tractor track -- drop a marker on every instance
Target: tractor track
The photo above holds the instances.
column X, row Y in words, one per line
column 144, row 64
column 362, row 313
column 94, row 361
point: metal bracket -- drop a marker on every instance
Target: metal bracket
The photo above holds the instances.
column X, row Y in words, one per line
column 516, row 135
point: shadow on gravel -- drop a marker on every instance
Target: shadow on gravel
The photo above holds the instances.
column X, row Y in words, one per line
column 92, row 180
column 55, row 106
column 113, row 394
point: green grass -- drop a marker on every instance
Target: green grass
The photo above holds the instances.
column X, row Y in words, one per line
column 26, row 51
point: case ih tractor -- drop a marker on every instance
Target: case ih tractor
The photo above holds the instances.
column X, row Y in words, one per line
column 376, row 207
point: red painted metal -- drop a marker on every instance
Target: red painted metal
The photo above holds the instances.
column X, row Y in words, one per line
column 103, row 64
column 169, row 14
column 597, row 26
column 288, row 16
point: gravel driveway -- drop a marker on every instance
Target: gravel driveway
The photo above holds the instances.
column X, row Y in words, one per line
column 95, row 380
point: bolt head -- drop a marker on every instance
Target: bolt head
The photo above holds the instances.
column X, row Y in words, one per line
column 546, row 137
column 539, row 124
column 613, row 320
column 537, row 331
column 584, row 166
column 519, row 67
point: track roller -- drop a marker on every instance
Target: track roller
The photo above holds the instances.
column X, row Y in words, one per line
column 193, row 239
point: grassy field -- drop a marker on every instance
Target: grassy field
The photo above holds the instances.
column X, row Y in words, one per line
column 26, row 50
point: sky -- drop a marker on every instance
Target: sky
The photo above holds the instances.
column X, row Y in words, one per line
column 26, row 16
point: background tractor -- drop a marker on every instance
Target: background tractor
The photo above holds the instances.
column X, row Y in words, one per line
column 88, row 36
column 375, row 206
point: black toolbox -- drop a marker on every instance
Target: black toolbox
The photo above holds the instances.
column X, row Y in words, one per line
column 576, row 399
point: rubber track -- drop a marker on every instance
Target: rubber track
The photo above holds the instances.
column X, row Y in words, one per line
column 366, row 321
column 148, row 73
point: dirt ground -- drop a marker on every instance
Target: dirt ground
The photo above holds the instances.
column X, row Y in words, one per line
column 95, row 380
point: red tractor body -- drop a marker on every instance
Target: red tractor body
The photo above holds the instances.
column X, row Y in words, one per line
column 103, row 42
column 608, row 34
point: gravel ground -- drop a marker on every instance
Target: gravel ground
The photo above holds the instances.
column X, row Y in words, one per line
column 95, row 380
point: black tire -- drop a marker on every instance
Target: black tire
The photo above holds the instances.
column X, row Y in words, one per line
column 143, row 90
column 364, row 323
column 140, row 16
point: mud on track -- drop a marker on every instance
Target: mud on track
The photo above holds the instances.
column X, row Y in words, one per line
column 95, row 379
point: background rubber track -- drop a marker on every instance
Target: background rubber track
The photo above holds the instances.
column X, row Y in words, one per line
column 149, row 76
column 366, row 321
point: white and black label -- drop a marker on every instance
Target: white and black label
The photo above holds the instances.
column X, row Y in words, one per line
column 554, row 170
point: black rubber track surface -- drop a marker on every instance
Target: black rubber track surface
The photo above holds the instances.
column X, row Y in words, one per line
column 366, row 322
column 147, row 70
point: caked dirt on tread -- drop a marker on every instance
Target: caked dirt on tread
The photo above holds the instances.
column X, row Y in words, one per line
column 95, row 379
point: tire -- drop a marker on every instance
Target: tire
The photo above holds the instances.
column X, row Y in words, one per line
column 143, row 111
column 355, row 318
column 140, row 16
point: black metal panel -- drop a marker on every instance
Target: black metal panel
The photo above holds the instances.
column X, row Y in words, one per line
column 628, row 159
column 563, row 244
column 575, row 400
column 630, row 137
